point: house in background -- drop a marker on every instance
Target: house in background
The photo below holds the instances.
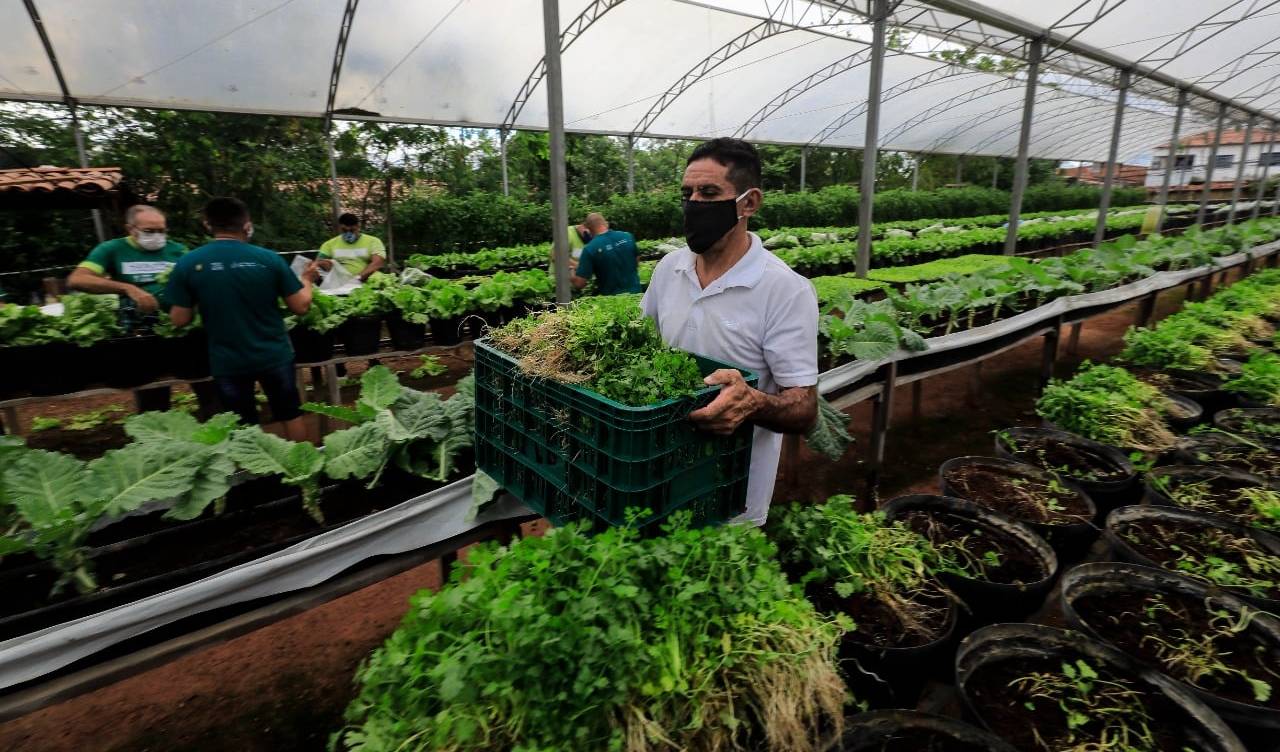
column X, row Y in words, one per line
column 1094, row 173
column 1191, row 160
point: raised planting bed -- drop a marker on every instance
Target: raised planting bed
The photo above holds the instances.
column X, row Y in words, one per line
column 1057, row 510
column 1008, row 568
column 1242, row 560
column 1104, row 472
column 1221, row 492
column 1221, row 647
column 884, row 577
column 1260, row 424
column 911, row 731
column 1044, row 688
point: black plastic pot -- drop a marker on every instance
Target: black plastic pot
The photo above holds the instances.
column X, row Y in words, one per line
column 405, row 335
column 189, row 356
column 1192, row 414
column 1126, row 551
column 912, row 731
column 1193, row 473
column 1107, row 580
column 894, row 676
column 1069, row 540
column 1022, row 648
column 1233, row 421
column 56, row 368
column 310, row 346
column 18, row 370
column 1202, row 387
column 360, row 335
column 447, row 331
column 988, row 601
column 128, row 361
column 1106, row 494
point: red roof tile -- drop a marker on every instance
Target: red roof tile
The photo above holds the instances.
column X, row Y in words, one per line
column 1229, row 138
column 84, row 181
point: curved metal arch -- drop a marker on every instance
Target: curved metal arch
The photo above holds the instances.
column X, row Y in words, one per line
column 897, row 90
column 1039, row 117
column 1183, row 41
column 575, row 29
column 339, row 54
column 1142, row 133
column 843, row 65
column 1073, row 135
column 1235, row 65
column 938, row 143
column 928, row 113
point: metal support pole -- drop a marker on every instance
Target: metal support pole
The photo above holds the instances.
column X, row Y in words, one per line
column 333, row 176
column 631, row 165
column 78, row 135
column 1258, row 195
column 959, row 169
column 555, row 122
column 1024, row 142
column 502, row 147
column 995, row 174
column 881, row 418
column 1275, row 202
column 1173, row 158
column 1049, row 354
column 804, row 165
column 1109, row 169
column 1244, row 160
column 915, row 174
column 867, row 189
column 1208, row 168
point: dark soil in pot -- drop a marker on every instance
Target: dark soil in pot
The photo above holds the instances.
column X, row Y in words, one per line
column 1104, row 472
column 1209, row 640
column 1012, row 678
column 1243, row 561
column 1011, row 566
column 1183, row 413
column 1201, row 386
column 1057, row 510
column 1260, row 424
column 1229, row 494
column 84, row 444
column 911, row 731
column 1223, row 449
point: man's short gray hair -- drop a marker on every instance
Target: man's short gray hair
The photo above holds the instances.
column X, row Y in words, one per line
column 132, row 212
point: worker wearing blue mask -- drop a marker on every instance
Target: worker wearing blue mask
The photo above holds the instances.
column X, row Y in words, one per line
column 358, row 252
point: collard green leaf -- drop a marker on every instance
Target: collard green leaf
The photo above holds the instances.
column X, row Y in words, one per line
column 161, row 427
column 46, row 487
column 416, row 415
column 357, row 452
column 125, row 479
column 340, row 412
column 209, row 484
column 266, row 454
column 379, row 388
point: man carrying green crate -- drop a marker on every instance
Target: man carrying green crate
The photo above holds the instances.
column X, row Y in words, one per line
column 726, row 297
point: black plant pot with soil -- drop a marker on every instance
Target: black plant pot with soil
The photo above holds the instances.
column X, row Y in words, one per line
column 54, row 368
column 1005, row 591
column 993, row 663
column 1153, row 616
column 1258, row 424
column 1203, row 548
column 128, row 362
column 912, row 731
column 1184, row 414
column 1214, row 491
column 1202, row 387
column 310, row 346
column 17, row 373
column 1057, row 510
column 1229, row 451
column 884, row 662
column 360, row 335
column 1104, row 472
column 405, row 335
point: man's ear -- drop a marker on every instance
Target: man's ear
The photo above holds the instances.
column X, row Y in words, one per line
column 751, row 202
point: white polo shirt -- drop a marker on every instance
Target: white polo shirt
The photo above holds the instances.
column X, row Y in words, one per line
column 760, row 315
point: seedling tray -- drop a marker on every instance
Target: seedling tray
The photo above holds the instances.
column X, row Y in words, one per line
column 572, row 454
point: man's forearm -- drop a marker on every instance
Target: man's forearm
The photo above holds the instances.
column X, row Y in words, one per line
column 93, row 283
column 790, row 411
column 371, row 267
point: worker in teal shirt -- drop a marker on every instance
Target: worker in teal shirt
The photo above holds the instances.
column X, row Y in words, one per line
column 610, row 257
column 237, row 288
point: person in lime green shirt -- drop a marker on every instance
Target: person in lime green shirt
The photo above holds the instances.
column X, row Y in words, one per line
column 359, row 253
column 134, row 265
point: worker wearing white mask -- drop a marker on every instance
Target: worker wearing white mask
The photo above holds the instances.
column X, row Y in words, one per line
column 135, row 265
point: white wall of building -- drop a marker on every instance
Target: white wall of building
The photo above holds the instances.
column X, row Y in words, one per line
column 1200, row 154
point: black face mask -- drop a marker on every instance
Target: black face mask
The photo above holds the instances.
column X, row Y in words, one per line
column 705, row 222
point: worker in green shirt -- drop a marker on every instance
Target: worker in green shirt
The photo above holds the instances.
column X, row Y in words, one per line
column 237, row 288
column 578, row 236
column 610, row 257
column 358, row 252
column 133, row 265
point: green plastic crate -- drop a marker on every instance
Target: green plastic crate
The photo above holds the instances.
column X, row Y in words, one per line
column 570, row 453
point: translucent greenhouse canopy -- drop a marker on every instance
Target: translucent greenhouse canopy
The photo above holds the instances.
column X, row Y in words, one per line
column 776, row 71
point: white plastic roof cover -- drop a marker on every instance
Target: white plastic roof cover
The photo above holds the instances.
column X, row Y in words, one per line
column 782, row 71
